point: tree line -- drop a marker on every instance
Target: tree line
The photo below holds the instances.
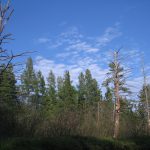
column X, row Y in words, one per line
column 38, row 107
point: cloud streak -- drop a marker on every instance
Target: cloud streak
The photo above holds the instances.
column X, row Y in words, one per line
column 73, row 40
column 110, row 34
column 43, row 40
column 82, row 46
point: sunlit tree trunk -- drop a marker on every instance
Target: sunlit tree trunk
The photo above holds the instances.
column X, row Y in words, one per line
column 116, row 111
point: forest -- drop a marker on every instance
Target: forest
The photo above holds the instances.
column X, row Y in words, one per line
column 53, row 113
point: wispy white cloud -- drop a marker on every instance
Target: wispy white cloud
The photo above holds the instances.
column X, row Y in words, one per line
column 82, row 46
column 71, row 54
column 63, row 55
column 72, row 32
column 73, row 40
column 43, row 40
column 109, row 34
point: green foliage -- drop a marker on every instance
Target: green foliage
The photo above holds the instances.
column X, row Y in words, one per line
column 69, row 92
column 60, row 85
column 109, row 94
column 8, row 101
column 88, row 90
column 119, row 75
column 142, row 108
column 32, row 86
column 81, row 89
column 51, row 86
column 51, row 95
column 29, row 84
column 8, row 90
column 41, row 84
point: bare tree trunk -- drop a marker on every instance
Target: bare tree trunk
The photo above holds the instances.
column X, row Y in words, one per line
column 98, row 113
column 146, row 98
column 117, row 99
column 117, row 112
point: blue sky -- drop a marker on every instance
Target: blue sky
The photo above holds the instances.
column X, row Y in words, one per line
column 80, row 34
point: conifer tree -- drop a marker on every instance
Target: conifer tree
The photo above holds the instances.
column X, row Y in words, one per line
column 81, row 89
column 60, row 84
column 40, row 89
column 8, row 90
column 69, row 93
column 8, row 101
column 41, row 84
column 51, row 87
column 142, row 109
column 109, row 94
column 93, row 93
column 109, row 102
column 29, row 85
column 96, row 92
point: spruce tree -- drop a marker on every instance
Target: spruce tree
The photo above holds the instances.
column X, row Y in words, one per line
column 81, row 89
column 93, row 93
column 51, row 96
column 96, row 92
column 40, row 89
column 29, row 85
column 109, row 102
column 69, row 93
column 8, row 90
column 8, row 101
column 142, row 108
column 60, row 84
column 41, row 84
column 109, row 94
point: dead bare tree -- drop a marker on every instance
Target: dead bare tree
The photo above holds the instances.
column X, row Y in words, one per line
column 116, row 77
column 6, row 56
column 146, row 97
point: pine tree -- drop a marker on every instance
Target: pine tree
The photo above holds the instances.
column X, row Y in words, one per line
column 96, row 92
column 51, row 87
column 142, row 109
column 81, row 89
column 40, row 89
column 93, row 93
column 8, row 101
column 41, row 84
column 109, row 94
column 88, row 85
column 109, row 102
column 8, row 90
column 69, row 93
column 60, row 84
column 29, row 85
